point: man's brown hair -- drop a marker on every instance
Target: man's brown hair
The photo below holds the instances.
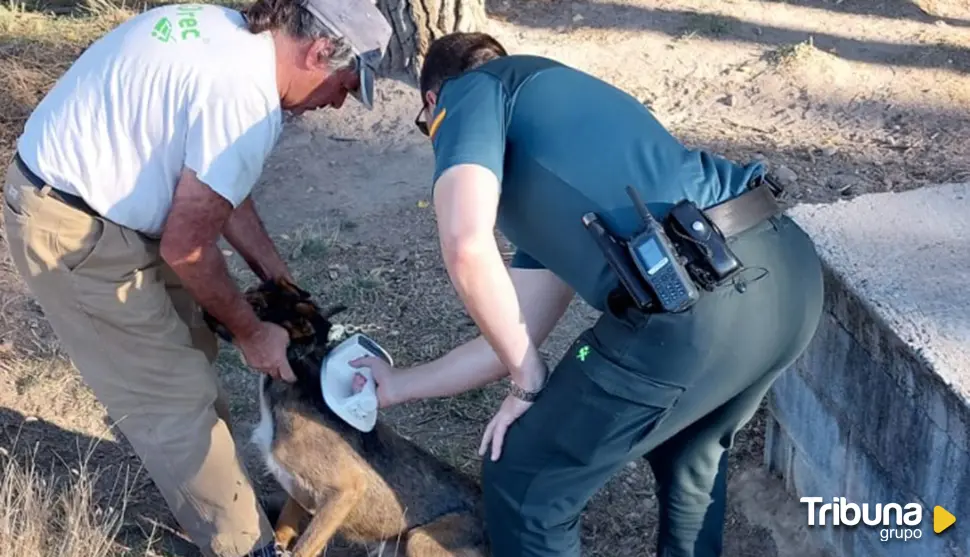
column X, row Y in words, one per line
column 454, row 54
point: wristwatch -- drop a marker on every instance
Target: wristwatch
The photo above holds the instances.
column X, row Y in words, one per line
column 522, row 394
column 528, row 396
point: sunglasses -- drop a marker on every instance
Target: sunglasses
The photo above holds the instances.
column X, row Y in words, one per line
column 421, row 121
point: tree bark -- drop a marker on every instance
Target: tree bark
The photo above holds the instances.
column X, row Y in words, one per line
column 417, row 23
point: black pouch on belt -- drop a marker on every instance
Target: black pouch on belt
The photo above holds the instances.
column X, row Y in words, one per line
column 702, row 236
column 710, row 260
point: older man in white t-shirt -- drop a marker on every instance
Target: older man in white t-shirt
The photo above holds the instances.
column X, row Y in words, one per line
column 142, row 155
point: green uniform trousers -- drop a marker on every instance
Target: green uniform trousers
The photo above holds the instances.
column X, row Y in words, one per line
column 671, row 388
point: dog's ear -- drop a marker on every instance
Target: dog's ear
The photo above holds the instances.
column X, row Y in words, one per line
column 255, row 296
column 306, row 308
column 292, row 289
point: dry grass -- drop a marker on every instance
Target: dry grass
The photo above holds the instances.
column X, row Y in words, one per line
column 36, row 48
column 47, row 515
column 791, row 55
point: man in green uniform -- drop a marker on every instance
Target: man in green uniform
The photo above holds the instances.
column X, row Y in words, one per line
column 532, row 145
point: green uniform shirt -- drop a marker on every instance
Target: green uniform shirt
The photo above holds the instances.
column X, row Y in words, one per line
column 563, row 143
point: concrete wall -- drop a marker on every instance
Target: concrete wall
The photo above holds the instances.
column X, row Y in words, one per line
column 877, row 410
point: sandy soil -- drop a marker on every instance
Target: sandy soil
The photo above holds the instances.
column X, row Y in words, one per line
column 839, row 97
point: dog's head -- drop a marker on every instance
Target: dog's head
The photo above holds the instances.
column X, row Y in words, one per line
column 289, row 306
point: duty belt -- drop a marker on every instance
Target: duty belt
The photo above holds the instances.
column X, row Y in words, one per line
column 46, row 189
column 747, row 210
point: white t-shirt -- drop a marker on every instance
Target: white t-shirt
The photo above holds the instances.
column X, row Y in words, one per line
column 176, row 85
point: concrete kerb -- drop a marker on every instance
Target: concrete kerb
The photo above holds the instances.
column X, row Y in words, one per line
column 878, row 409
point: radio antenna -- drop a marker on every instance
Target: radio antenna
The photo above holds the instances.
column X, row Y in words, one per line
column 640, row 206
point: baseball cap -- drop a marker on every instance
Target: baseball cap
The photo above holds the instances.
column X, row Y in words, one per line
column 364, row 27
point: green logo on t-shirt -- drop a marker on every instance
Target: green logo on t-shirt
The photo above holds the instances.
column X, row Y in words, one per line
column 163, row 30
column 186, row 27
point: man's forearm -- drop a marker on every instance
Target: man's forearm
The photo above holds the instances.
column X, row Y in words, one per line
column 543, row 298
column 469, row 366
column 245, row 231
column 484, row 285
column 204, row 275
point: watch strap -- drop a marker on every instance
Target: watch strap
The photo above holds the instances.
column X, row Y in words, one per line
column 522, row 394
column 529, row 396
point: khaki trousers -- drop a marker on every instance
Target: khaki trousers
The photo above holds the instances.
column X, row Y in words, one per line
column 138, row 340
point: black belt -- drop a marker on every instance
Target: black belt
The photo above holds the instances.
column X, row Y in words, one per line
column 46, row 189
column 747, row 210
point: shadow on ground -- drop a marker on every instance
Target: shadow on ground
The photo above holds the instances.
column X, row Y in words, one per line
column 118, row 480
column 895, row 9
column 679, row 23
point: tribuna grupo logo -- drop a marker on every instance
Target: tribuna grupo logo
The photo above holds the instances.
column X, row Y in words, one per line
column 901, row 522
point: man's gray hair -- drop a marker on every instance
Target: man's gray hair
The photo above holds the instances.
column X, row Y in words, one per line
column 290, row 17
column 306, row 26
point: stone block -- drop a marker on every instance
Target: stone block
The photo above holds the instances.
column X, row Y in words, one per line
column 947, row 478
column 779, row 449
column 866, row 546
column 909, row 280
column 811, row 425
column 808, row 481
column 868, row 482
column 878, row 408
column 879, row 412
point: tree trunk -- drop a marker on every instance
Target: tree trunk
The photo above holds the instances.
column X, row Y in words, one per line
column 418, row 22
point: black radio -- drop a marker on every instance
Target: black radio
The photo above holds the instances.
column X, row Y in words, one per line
column 658, row 261
column 618, row 259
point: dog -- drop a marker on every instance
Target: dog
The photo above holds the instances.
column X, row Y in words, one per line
column 372, row 489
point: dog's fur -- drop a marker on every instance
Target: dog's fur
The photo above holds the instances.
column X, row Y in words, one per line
column 367, row 487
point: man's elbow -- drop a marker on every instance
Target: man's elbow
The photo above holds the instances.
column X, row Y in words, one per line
column 462, row 250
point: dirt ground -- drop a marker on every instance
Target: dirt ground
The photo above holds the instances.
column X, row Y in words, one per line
column 839, row 97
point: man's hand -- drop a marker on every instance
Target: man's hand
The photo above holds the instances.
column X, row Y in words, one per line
column 384, row 376
column 512, row 408
column 265, row 351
